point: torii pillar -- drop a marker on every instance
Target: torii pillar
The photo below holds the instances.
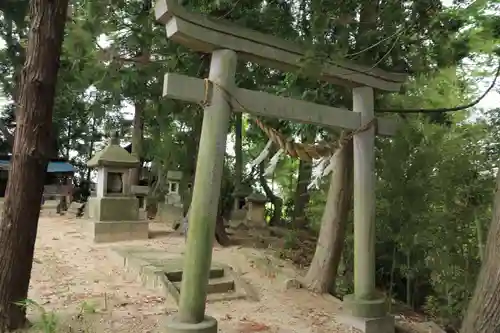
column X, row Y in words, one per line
column 205, row 201
column 365, row 304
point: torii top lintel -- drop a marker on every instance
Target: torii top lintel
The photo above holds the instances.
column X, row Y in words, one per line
column 204, row 34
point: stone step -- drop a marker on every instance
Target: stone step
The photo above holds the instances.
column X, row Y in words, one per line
column 221, row 297
column 176, row 276
column 219, row 285
column 159, row 271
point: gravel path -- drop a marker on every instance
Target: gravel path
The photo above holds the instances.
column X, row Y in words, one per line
column 70, row 270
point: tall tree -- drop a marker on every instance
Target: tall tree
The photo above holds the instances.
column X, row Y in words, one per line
column 32, row 146
column 322, row 273
column 301, row 199
column 483, row 312
column 144, row 52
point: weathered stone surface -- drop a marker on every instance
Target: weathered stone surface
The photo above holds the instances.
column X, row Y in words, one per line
column 238, row 214
column 363, row 308
column 169, row 214
column 163, row 272
column 113, row 208
column 208, row 325
column 113, row 155
column 115, row 231
column 383, row 324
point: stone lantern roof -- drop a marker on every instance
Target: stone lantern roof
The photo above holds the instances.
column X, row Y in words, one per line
column 242, row 191
column 257, row 198
column 113, row 155
column 174, row 175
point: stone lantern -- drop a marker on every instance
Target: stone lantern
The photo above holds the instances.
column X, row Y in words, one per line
column 239, row 210
column 113, row 210
column 173, row 196
column 256, row 210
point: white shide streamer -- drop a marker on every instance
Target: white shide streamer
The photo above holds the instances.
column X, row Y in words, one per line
column 263, row 154
column 273, row 163
column 316, row 179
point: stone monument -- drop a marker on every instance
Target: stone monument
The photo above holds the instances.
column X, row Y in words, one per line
column 239, row 211
column 173, row 196
column 114, row 211
column 256, row 210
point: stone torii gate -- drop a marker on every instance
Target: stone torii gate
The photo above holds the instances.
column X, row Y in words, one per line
column 227, row 42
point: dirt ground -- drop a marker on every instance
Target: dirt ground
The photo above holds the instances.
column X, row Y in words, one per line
column 69, row 270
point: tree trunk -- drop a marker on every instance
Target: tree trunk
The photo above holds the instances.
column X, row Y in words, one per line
column 301, row 192
column 54, row 147
column 276, row 201
column 324, row 266
column 483, row 312
column 91, row 147
column 480, row 235
column 69, row 143
column 137, row 138
column 140, row 103
column 32, row 146
column 238, row 167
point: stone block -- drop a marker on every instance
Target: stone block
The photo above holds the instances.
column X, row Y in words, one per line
column 365, row 308
column 113, row 209
column 238, row 214
column 143, row 214
column 173, row 325
column 169, row 214
column 383, row 324
column 116, row 231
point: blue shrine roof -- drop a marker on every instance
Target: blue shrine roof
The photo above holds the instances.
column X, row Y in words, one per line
column 53, row 167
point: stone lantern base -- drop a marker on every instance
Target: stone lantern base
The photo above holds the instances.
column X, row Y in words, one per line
column 114, row 219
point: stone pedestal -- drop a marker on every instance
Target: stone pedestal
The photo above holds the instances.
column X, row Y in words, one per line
column 114, row 219
column 116, row 231
column 365, row 308
column 383, row 324
column 113, row 208
column 238, row 214
column 174, row 325
column 367, row 315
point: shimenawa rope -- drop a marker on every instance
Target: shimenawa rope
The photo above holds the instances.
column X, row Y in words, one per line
column 306, row 152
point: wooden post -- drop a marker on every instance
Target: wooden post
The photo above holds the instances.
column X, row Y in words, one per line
column 206, row 192
column 364, row 302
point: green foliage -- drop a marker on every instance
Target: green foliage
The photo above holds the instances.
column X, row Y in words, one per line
column 291, row 240
column 434, row 183
column 50, row 321
column 429, row 205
